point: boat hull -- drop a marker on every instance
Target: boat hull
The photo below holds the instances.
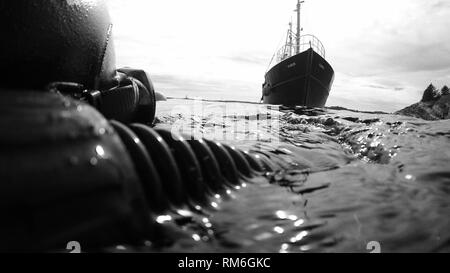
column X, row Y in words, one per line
column 304, row 79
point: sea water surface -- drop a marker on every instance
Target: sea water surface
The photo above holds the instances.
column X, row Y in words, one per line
column 344, row 179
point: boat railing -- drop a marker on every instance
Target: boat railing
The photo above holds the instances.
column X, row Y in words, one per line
column 306, row 42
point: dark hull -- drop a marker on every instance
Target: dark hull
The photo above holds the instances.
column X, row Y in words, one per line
column 304, row 79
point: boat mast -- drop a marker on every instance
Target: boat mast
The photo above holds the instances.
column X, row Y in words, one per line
column 299, row 30
column 290, row 38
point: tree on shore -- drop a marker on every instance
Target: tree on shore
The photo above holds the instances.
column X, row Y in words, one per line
column 445, row 91
column 430, row 94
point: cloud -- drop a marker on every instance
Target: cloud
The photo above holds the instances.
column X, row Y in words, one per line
column 248, row 59
column 440, row 5
column 410, row 57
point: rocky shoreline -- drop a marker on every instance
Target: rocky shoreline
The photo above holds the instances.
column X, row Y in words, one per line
column 435, row 105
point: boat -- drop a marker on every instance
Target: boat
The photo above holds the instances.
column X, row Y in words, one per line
column 301, row 76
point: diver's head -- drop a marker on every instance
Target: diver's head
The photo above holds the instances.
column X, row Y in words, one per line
column 55, row 40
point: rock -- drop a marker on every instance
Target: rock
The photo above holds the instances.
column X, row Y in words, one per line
column 435, row 105
column 160, row 97
column 351, row 119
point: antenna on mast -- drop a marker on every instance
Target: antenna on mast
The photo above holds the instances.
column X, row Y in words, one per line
column 299, row 30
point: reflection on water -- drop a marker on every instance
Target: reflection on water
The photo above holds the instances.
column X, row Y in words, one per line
column 341, row 180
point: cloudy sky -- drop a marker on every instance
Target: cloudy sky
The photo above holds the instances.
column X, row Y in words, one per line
column 384, row 52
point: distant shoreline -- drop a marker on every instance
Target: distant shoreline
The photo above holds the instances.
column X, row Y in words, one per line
column 254, row 103
column 209, row 100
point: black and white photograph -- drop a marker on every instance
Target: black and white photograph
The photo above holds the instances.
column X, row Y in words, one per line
column 233, row 127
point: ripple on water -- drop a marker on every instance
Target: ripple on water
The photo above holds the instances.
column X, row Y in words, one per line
column 343, row 179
